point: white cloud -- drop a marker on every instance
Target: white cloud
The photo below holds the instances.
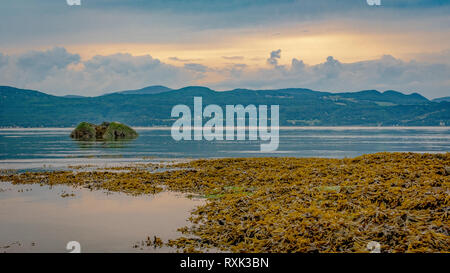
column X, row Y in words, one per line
column 59, row 72
column 385, row 73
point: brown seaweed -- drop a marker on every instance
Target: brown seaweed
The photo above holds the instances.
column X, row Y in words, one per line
column 400, row 200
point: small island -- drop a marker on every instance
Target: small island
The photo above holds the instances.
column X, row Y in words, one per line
column 104, row 131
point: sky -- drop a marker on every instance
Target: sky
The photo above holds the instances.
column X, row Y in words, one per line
column 103, row 46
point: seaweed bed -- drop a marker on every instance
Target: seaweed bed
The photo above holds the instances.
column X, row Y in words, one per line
column 400, row 200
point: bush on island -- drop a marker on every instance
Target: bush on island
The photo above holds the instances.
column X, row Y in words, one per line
column 104, row 131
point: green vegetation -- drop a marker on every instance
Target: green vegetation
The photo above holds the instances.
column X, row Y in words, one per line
column 117, row 130
column 104, row 131
column 298, row 107
column 442, row 99
column 84, row 131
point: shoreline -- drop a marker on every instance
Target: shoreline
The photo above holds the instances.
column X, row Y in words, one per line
column 344, row 127
column 105, row 162
column 320, row 204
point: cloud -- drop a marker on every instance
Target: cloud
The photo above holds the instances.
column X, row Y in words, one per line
column 176, row 59
column 196, row 67
column 297, row 65
column 233, row 58
column 35, row 65
column 179, row 27
column 3, row 60
column 59, row 72
column 384, row 73
column 57, row 57
column 274, row 56
column 330, row 69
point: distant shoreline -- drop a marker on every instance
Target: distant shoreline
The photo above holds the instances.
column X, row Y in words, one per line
column 356, row 127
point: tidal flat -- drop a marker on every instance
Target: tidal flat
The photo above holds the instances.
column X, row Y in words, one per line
column 399, row 200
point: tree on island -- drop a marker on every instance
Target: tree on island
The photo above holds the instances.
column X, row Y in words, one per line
column 104, row 131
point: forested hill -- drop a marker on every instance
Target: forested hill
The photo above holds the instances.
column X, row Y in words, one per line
column 152, row 107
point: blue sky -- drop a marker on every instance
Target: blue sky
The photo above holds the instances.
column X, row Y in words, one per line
column 345, row 45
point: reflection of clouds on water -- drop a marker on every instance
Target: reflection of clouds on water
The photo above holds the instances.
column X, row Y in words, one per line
column 99, row 221
column 103, row 144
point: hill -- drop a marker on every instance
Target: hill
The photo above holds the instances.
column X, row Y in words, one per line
column 299, row 107
column 442, row 99
column 73, row 96
column 155, row 89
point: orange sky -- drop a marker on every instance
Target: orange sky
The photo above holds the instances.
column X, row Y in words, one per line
column 201, row 43
column 253, row 48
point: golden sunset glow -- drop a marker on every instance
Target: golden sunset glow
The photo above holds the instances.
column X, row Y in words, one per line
column 227, row 45
column 253, row 50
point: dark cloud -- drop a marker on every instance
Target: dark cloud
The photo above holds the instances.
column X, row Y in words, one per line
column 297, row 65
column 58, row 72
column 196, row 67
column 53, row 22
column 274, row 56
column 176, row 59
column 220, row 6
column 40, row 63
column 330, row 69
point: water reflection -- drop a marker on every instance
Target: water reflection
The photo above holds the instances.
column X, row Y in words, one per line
column 55, row 147
column 92, row 144
column 39, row 219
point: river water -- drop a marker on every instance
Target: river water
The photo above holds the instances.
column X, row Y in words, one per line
column 36, row 218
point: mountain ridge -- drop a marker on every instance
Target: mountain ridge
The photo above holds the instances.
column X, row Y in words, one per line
column 298, row 107
column 441, row 99
column 153, row 89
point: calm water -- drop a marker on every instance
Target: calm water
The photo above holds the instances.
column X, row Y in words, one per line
column 39, row 219
column 33, row 148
